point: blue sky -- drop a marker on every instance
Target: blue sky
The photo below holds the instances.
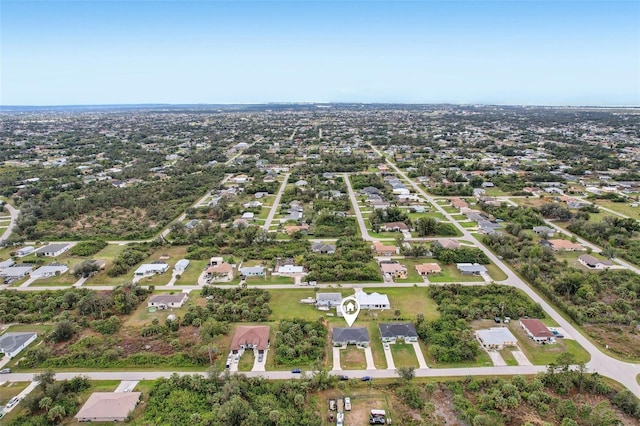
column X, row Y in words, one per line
column 508, row 52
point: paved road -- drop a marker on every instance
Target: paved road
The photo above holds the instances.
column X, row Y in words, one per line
column 14, row 217
column 276, row 203
column 354, row 203
column 285, row 375
column 623, row 372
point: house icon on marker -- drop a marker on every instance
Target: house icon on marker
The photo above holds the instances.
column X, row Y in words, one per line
column 350, row 307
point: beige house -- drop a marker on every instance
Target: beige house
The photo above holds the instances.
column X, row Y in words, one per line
column 108, row 407
column 425, row 269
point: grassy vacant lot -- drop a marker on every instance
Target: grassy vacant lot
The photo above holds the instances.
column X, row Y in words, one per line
column 622, row 208
column 404, row 355
column 482, row 361
column 496, row 273
column 11, row 389
column 142, row 316
column 192, row 273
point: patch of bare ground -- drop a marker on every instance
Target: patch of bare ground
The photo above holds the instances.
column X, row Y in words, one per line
column 619, row 339
column 444, row 412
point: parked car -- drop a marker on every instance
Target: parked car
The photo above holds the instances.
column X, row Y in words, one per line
column 296, row 371
column 260, row 357
column 507, row 320
column 556, row 333
column 13, row 401
column 332, row 404
column 497, row 319
column 343, row 377
column 366, row 378
column 347, row 403
column 377, row 420
column 5, row 371
column 385, row 345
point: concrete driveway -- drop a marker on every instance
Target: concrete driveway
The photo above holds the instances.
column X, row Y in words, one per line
column 260, row 366
column 496, row 358
column 421, row 361
column 521, row 358
column 336, row 358
column 126, row 386
column 391, row 365
column 21, row 396
column 369, row 356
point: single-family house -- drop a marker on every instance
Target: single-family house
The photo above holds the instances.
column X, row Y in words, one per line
column 254, row 337
column 240, row 178
column 544, row 231
column 252, row 271
column 448, row 244
column 252, row 205
column 392, row 332
column 24, row 251
column 382, row 250
column 343, row 336
column 594, row 263
column 248, row 216
column 328, row 300
column 290, row 269
column 292, row 229
column 394, row 227
column 372, row 301
column 458, row 203
column 563, row 245
column 108, row 407
column 220, row 272
column 393, row 269
column 147, row 269
column 537, row 330
column 16, row 272
column 12, row 343
column 496, row 338
column 323, row 248
column 181, row 265
column 471, row 268
column 7, row 263
column 425, row 269
column 51, row 270
column 53, row 250
column 164, row 301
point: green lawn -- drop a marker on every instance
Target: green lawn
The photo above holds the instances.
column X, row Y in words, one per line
column 449, row 209
column 468, row 224
column 546, row 354
column 412, row 274
column 353, row 358
column 192, row 273
column 483, row 360
column 404, row 355
column 375, row 342
column 246, row 361
column 11, row 389
column 623, row 208
column 496, row 273
column 450, row 274
column 508, row 357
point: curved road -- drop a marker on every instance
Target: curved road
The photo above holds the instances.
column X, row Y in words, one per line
column 623, row 372
column 14, row 217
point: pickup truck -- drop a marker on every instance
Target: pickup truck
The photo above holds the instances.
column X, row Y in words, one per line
column 347, row 404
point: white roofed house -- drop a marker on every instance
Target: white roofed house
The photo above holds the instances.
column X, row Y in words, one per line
column 16, row 272
column 12, row 343
column 252, row 271
column 7, row 264
column 148, row 269
column 181, row 265
column 53, row 250
column 372, row 301
column 328, row 300
column 471, row 268
column 49, row 271
column 290, row 269
column 164, row 301
column 496, row 338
